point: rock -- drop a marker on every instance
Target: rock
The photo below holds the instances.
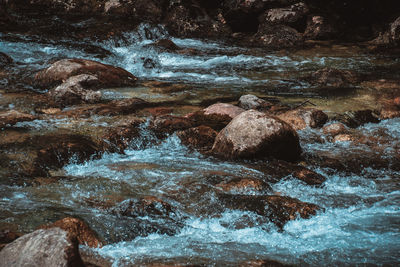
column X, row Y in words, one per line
column 263, row 263
column 319, row 28
column 216, row 116
column 240, row 185
column 334, row 129
column 7, row 236
column 51, row 247
column 391, row 37
column 168, row 124
column 77, row 228
column 278, row 209
column 11, row 117
column 5, row 59
column 253, row 102
column 357, row 118
column 389, row 113
column 302, row 118
column 142, row 10
column 107, row 75
column 166, row 44
column 121, row 134
column 343, row 138
column 278, row 36
column 201, row 137
column 285, row 15
column 329, row 77
column 73, row 91
column 253, row 134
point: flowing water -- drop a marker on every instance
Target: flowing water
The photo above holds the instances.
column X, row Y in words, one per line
column 361, row 217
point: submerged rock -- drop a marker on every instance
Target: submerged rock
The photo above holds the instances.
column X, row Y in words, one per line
column 201, row 138
column 77, row 228
column 51, row 247
column 302, row 118
column 11, row 117
column 329, row 77
column 216, row 116
column 253, row 134
column 253, row 102
column 278, row 209
column 107, row 75
column 73, row 91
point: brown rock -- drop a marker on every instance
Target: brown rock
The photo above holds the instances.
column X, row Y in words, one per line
column 107, row 75
column 285, row 15
column 123, row 132
column 201, row 138
column 240, row 185
column 278, row 36
column 278, row 209
column 389, row 113
column 51, row 247
column 253, row 102
column 343, row 138
column 302, row 118
column 216, row 116
column 142, row 10
column 166, row 44
column 77, row 228
column 263, row 263
column 11, row 117
column 168, row 124
column 319, row 28
column 334, row 129
column 329, row 77
column 253, row 134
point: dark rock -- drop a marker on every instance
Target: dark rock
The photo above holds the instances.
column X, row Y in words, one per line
column 278, row 36
column 329, row 77
column 302, row 118
column 167, row 124
column 216, row 116
column 278, row 209
column 201, row 138
column 287, row 15
column 391, row 37
column 52, row 247
column 7, row 236
column 253, row 134
column 77, row 228
column 107, row 75
column 142, row 10
column 166, row 44
column 5, row 59
column 319, row 28
column 357, row 118
column 253, row 102
column 263, row 263
column 73, row 91
column 11, row 117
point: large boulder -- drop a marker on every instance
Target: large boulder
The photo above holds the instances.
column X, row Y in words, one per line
column 254, row 134
column 302, row 118
column 77, row 228
column 216, row 116
column 107, row 75
column 51, row 247
column 73, row 91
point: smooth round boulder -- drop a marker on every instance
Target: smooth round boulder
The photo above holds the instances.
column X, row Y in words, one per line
column 60, row 71
column 51, row 247
column 254, row 134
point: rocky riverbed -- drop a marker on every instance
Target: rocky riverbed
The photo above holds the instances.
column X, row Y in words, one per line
column 199, row 133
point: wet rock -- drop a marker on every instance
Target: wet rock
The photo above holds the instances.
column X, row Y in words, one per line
column 166, row 44
column 240, row 185
column 77, row 228
column 319, row 28
column 357, row 118
column 201, row 138
column 278, row 209
column 216, row 116
column 107, row 75
column 122, row 107
column 285, row 15
column 11, row 117
column 343, row 138
column 166, row 87
column 329, row 77
column 278, row 36
column 121, row 134
column 302, row 118
column 51, row 247
column 277, row 170
column 143, row 10
column 5, row 59
column 263, row 263
column 334, row 129
column 168, row 124
column 253, row 134
column 253, row 102
column 73, row 91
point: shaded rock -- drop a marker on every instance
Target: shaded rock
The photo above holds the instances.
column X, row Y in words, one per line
column 278, row 36
column 357, row 118
column 77, row 228
column 302, row 118
column 253, row 134
column 73, row 91
column 263, row 263
column 216, row 116
column 391, row 37
column 285, row 15
column 201, row 138
column 319, row 28
column 278, row 209
column 334, row 129
column 122, row 107
column 143, row 10
column 51, row 247
column 167, row 124
column 7, row 236
column 166, row 44
column 107, row 75
column 5, row 59
column 253, row 102
column 240, row 185
column 11, row 117
column 329, row 77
